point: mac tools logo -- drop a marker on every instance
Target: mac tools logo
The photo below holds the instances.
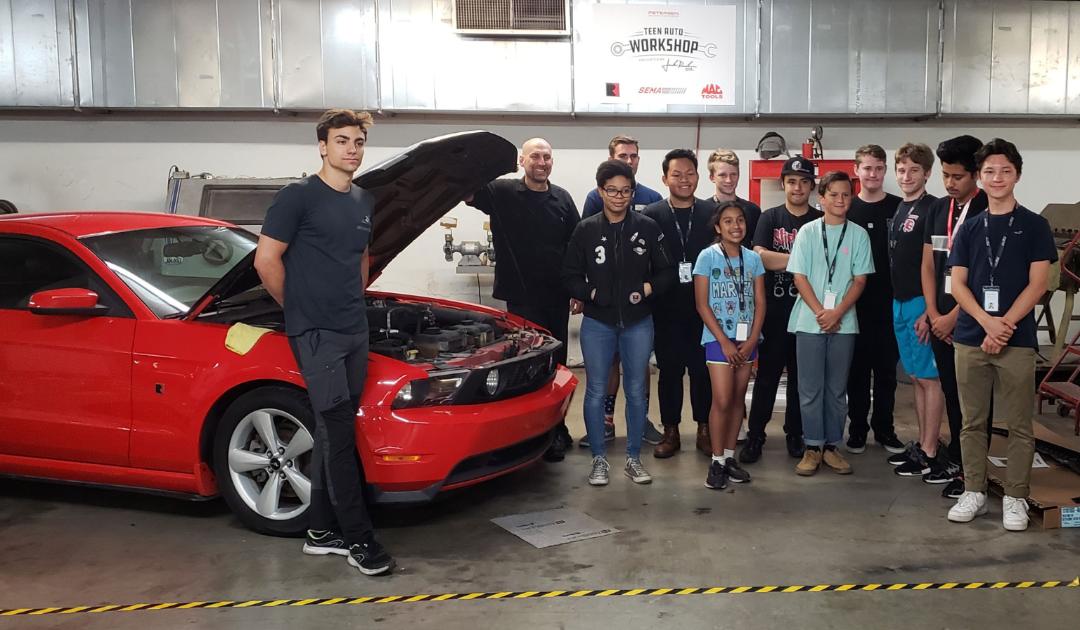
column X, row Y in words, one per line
column 712, row 91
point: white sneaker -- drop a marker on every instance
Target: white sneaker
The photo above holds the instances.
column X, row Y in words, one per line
column 636, row 472
column 599, row 474
column 1014, row 514
column 970, row 505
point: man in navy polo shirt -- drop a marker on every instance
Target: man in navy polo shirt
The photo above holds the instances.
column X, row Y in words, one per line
column 1000, row 264
column 623, row 149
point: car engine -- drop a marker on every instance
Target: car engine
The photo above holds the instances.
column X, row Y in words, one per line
column 410, row 332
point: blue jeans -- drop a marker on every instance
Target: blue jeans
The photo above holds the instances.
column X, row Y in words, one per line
column 824, row 363
column 599, row 343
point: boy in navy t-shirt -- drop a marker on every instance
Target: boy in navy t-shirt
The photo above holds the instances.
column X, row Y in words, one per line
column 1000, row 264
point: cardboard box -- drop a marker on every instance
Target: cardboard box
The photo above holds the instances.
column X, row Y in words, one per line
column 1055, row 491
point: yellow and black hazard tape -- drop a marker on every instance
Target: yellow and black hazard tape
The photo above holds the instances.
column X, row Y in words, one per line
column 632, row 592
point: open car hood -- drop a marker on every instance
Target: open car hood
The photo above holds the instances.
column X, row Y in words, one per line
column 412, row 190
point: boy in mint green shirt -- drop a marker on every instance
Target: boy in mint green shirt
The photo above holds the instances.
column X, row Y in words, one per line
column 830, row 260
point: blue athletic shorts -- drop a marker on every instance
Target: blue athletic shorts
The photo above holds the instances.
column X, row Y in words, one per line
column 918, row 358
column 714, row 352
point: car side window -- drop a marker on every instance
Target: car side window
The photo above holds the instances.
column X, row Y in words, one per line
column 28, row 266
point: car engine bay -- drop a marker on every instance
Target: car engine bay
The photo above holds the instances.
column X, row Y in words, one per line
column 414, row 332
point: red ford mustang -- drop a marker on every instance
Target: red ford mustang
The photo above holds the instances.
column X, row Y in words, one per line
column 114, row 368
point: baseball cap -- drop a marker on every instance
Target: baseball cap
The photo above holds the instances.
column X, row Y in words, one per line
column 799, row 166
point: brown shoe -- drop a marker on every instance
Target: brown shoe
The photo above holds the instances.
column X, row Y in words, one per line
column 833, row 459
column 704, row 443
column 811, row 461
column 669, row 444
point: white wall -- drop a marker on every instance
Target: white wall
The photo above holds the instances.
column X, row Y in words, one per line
column 99, row 162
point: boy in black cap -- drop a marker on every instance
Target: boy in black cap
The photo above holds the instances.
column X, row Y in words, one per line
column 773, row 238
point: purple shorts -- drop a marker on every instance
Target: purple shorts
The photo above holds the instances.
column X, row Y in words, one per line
column 714, row 352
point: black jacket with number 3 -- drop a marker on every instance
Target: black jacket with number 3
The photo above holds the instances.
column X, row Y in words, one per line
column 607, row 264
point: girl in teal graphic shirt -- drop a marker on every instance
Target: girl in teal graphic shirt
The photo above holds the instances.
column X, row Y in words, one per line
column 729, row 288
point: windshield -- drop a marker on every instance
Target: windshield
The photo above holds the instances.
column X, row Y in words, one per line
column 171, row 268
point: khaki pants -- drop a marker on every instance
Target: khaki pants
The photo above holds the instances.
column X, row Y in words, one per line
column 1011, row 376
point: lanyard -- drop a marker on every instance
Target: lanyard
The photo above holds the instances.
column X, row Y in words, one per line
column 737, row 278
column 994, row 260
column 689, row 225
column 959, row 220
column 836, row 255
column 911, row 209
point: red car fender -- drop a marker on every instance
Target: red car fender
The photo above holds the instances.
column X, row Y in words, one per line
column 184, row 379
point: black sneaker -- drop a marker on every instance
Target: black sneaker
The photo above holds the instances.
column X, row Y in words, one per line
column 904, row 456
column 941, row 471
column 795, row 446
column 917, row 466
column 323, row 543
column 735, row 472
column 718, row 476
column 751, row 451
column 891, row 443
column 856, row 444
column 609, row 435
column 556, row 452
column 651, row 434
column 563, row 436
column 370, row 558
column 955, row 489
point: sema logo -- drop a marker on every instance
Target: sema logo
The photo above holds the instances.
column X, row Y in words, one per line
column 648, row 89
column 712, row 91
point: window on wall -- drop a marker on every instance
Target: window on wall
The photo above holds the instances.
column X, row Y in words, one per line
column 512, row 17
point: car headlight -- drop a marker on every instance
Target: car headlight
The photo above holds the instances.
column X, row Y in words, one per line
column 491, row 383
column 438, row 389
column 404, row 395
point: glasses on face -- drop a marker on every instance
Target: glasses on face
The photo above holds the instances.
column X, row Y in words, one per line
column 618, row 192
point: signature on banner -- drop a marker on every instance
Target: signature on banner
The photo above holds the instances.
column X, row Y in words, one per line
column 679, row 64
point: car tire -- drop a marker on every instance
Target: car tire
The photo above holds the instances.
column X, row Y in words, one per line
column 266, row 485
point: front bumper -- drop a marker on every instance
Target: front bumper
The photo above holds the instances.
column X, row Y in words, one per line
column 410, row 455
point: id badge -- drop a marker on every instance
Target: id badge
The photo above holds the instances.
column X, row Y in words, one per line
column 742, row 331
column 940, row 243
column 830, row 300
column 948, row 282
column 685, row 272
column 990, row 299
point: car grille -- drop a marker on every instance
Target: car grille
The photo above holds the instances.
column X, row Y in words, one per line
column 492, row 462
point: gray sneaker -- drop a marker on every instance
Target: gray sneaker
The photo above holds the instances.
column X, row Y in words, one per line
column 599, row 474
column 636, row 472
column 609, row 436
column 652, row 435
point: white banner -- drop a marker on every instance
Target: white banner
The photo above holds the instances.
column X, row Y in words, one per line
column 659, row 54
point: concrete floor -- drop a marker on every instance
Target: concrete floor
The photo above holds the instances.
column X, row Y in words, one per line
column 64, row 546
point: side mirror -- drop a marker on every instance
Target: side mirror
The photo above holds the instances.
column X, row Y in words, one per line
column 66, row 302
